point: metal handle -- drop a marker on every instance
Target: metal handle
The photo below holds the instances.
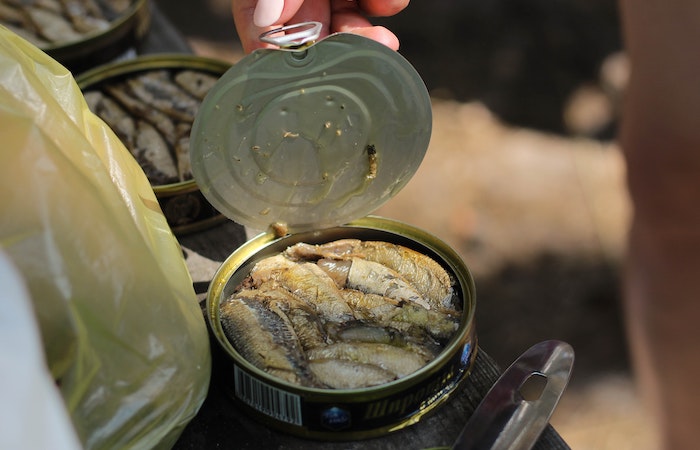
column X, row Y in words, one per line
column 518, row 407
column 293, row 36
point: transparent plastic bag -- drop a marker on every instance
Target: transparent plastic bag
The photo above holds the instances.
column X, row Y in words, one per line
column 122, row 331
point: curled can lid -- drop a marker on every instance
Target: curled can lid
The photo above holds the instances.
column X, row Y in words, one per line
column 311, row 138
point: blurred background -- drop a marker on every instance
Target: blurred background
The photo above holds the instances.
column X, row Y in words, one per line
column 523, row 178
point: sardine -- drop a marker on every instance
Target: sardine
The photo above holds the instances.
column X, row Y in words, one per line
column 417, row 340
column 10, row 15
column 423, row 272
column 195, row 83
column 306, row 280
column 303, row 319
column 153, row 154
column 114, row 116
column 155, row 88
column 396, row 360
column 344, row 374
column 182, row 154
column 182, row 150
column 440, row 324
column 429, row 277
column 52, row 26
column 337, row 269
column 51, row 5
column 74, row 7
column 144, row 111
column 264, row 340
column 374, row 278
column 85, row 15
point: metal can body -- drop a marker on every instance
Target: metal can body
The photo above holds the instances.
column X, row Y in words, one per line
column 354, row 413
column 182, row 203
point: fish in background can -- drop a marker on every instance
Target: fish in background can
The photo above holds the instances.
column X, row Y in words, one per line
column 179, row 196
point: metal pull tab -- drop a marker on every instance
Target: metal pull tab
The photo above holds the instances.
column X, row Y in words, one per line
column 293, row 36
column 518, row 407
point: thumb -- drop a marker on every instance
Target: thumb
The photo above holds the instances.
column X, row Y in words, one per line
column 267, row 12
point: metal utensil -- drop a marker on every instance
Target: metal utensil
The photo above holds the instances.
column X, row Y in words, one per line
column 518, row 407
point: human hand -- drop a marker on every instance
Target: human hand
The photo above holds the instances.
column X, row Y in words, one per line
column 254, row 17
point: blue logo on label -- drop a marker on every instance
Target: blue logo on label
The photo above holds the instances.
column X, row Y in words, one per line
column 335, row 418
column 466, row 353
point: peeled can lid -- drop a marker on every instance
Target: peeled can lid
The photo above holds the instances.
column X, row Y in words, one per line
column 311, row 138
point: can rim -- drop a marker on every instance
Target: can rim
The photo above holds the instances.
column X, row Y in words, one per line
column 114, row 69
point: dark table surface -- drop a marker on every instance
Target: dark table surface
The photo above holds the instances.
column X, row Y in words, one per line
column 220, row 424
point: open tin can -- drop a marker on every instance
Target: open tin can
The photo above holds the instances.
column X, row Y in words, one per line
column 305, row 142
column 183, row 205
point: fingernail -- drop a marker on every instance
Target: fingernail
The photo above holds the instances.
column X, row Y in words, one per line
column 267, row 12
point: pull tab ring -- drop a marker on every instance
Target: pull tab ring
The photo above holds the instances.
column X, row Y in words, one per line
column 293, row 36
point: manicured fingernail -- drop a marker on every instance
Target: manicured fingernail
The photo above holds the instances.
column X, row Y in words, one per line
column 267, row 12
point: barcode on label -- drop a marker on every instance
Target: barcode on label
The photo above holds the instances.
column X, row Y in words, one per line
column 267, row 399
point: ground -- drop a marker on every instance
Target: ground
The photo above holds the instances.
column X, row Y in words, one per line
column 522, row 177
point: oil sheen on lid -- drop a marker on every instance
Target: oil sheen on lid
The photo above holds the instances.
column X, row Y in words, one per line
column 311, row 138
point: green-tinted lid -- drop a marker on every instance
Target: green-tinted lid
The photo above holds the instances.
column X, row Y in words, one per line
column 311, row 138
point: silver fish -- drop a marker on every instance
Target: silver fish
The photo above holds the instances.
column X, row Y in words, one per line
column 114, row 116
column 416, row 340
column 423, row 272
column 85, row 16
column 265, row 340
column 195, row 83
column 440, row 324
column 51, row 5
column 52, row 26
column 396, row 360
column 144, row 111
column 374, row 278
column 155, row 88
column 306, row 280
column 153, row 154
column 302, row 318
column 344, row 374
column 10, row 15
column 182, row 155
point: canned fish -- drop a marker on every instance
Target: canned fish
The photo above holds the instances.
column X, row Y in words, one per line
column 346, row 413
column 150, row 102
column 79, row 34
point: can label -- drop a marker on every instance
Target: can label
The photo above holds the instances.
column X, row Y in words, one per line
column 404, row 405
column 267, row 399
column 318, row 416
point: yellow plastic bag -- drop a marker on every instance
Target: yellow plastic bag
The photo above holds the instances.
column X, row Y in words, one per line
column 123, row 334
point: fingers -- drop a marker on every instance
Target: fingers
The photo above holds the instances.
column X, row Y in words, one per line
column 379, row 34
column 254, row 17
column 243, row 13
column 267, row 12
column 349, row 17
column 313, row 10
